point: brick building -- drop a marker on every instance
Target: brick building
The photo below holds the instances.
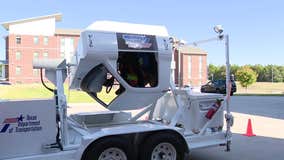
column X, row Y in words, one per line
column 36, row 38
column 193, row 66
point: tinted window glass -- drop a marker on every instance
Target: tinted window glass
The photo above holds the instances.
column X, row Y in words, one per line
column 138, row 69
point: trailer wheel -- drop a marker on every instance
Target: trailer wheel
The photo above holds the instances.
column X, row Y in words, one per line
column 162, row 146
column 108, row 148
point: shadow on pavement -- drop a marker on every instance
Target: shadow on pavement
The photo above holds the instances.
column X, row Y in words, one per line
column 244, row 148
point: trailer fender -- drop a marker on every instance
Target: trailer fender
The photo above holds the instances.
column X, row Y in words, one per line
column 123, row 130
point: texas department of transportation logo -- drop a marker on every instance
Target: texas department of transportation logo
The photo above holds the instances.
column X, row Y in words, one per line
column 137, row 41
column 19, row 124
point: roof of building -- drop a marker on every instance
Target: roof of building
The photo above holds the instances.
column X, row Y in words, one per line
column 74, row 32
column 57, row 16
column 192, row 50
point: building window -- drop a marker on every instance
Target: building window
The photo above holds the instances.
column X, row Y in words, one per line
column 36, row 55
column 45, row 55
column 200, row 67
column 36, row 40
column 35, row 72
column 45, row 40
column 62, row 42
column 189, row 66
column 18, row 40
column 18, row 55
column 72, row 44
column 18, row 70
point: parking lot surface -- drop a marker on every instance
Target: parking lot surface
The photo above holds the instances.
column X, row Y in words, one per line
column 244, row 148
column 267, row 115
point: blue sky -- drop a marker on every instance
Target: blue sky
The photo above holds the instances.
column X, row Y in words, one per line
column 256, row 27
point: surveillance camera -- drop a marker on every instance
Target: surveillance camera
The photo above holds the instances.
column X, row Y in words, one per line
column 172, row 39
column 218, row 29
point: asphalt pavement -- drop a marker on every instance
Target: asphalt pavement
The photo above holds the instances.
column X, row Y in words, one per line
column 244, row 148
column 267, row 115
column 267, row 106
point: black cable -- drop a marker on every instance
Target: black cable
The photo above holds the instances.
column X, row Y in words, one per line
column 41, row 78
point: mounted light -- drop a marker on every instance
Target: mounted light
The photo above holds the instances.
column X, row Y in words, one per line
column 172, row 40
column 218, row 29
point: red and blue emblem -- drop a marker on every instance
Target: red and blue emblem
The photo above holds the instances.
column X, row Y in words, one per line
column 8, row 121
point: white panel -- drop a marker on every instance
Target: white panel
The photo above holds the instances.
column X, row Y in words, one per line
column 25, row 126
column 164, row 45
column 110, row 26
column 194, row 115
column 40, row 27
column 97, row 42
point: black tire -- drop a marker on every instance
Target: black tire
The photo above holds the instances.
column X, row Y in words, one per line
column 153, row 141
column 95, row 150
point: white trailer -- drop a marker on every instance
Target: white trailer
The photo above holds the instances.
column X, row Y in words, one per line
column 134, row 62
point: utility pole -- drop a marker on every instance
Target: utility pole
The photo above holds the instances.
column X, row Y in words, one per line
column 177, row 44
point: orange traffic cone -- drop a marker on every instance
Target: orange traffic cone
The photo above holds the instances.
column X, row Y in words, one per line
column 249, row 130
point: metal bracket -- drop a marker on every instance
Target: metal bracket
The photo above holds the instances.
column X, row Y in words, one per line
column 229, row 119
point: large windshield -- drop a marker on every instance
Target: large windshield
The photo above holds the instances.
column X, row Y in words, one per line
column 138, row 69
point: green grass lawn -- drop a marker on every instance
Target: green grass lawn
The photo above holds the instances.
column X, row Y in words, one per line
column 37, row 91
column 265, row 88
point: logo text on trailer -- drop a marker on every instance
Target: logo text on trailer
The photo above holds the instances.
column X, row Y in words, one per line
column 21, row 124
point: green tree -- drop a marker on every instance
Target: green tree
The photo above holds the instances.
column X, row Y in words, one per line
column 222, row 72
column 281, row 70
column 272, row 74
column 212, row 70
column 277, row 77
column 267, row 73
column 246, row 76
column 219, row 72
column 234, row 69
column 259, row 69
